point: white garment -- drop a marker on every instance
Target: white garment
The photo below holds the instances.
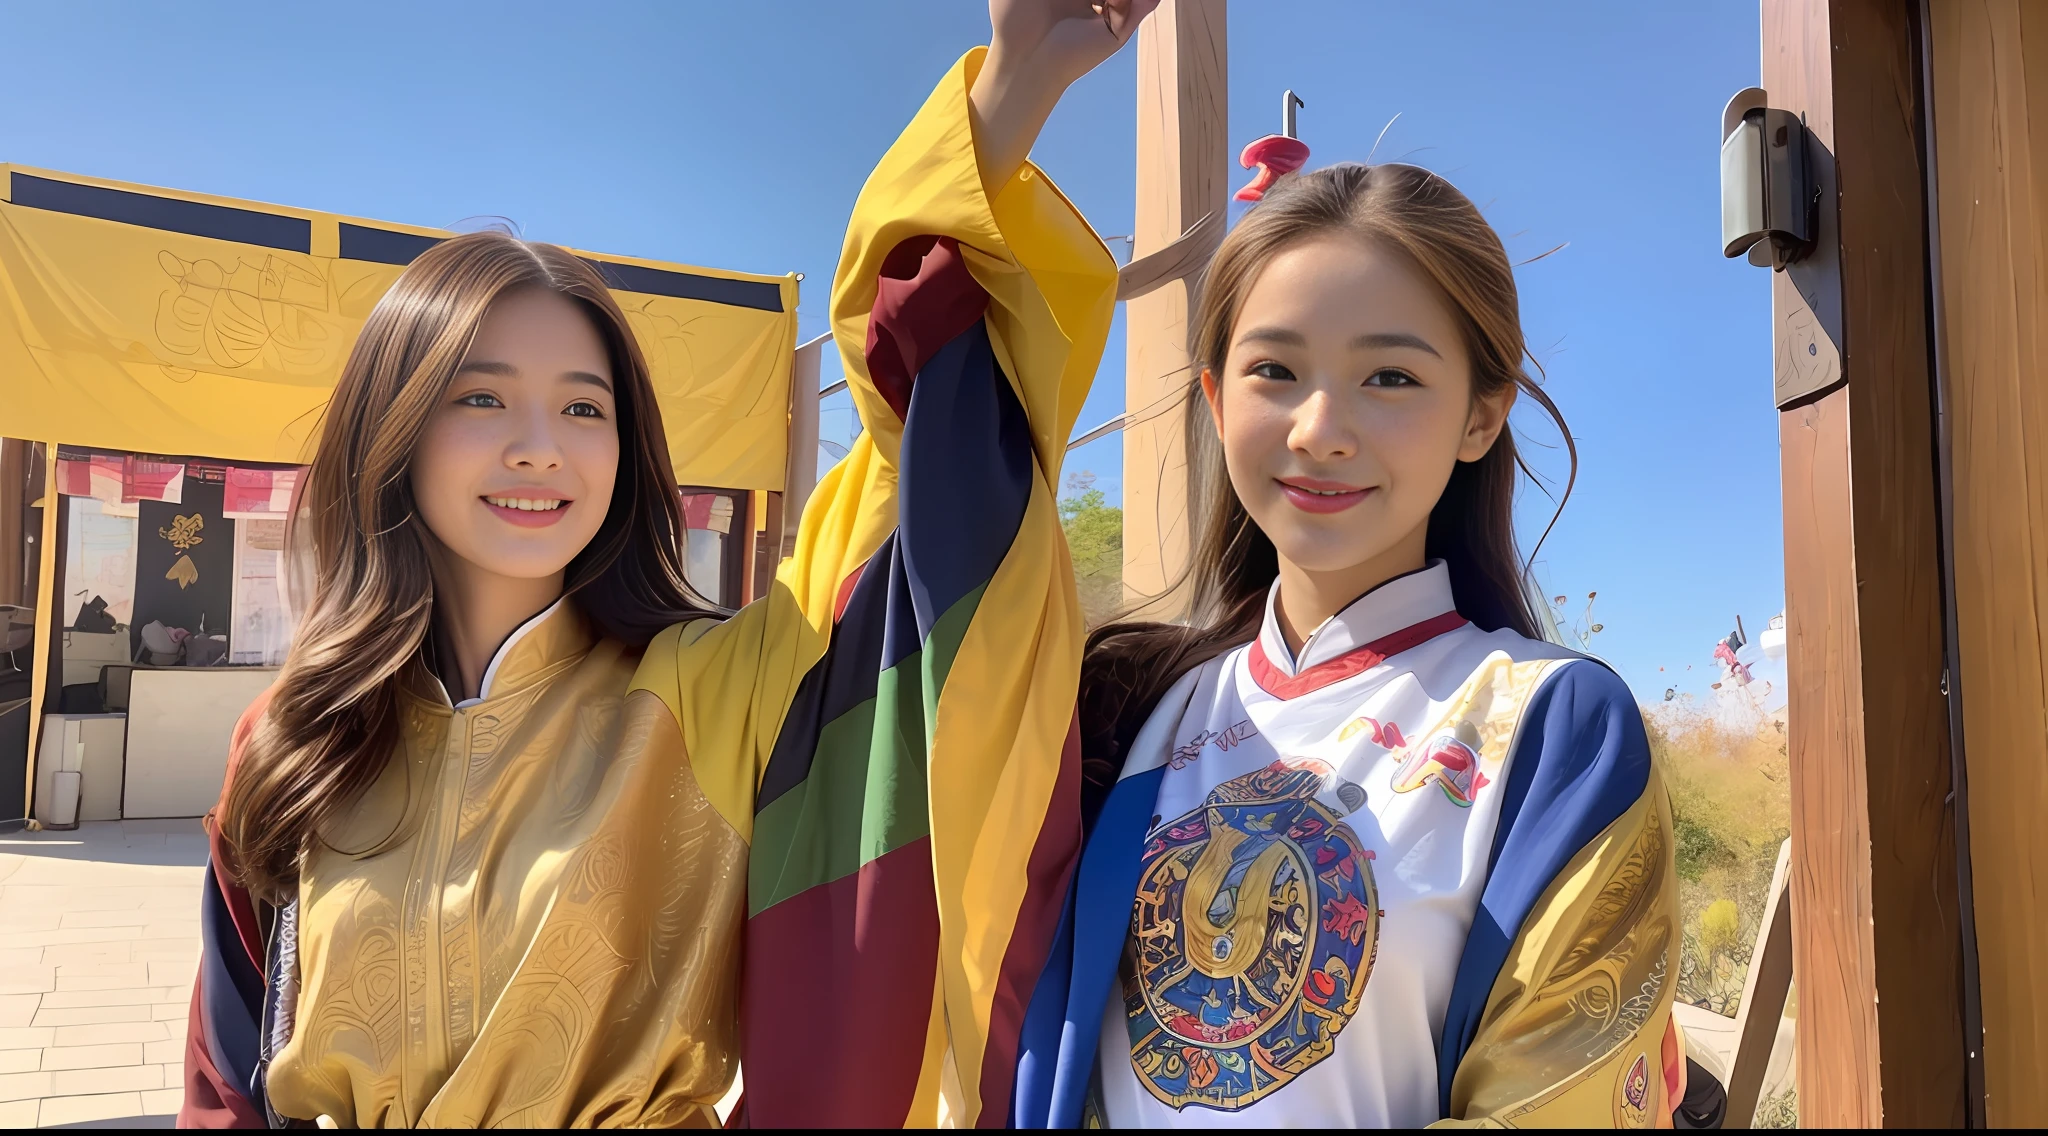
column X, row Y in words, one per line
column 1311, row 846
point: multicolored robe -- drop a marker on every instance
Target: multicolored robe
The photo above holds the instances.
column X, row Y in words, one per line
column 1559, row 1007
column 891, row 731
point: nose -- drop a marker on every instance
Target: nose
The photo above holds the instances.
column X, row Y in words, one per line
column 1319, row 432
column 533, row 447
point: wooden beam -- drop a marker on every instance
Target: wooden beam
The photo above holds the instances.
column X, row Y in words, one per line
column 1183, row 177
column 1763, row 999
column 1988, row 84
column 1876, row 943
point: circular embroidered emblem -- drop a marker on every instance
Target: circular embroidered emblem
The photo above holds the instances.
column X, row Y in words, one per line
column 1252, row 939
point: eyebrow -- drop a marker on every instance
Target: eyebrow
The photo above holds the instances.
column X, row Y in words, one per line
column 507, row 370
column 1394, row 339
column 1290, row 338
column 486, row 367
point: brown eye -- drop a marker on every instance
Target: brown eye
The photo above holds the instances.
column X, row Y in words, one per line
column 584, row 410
column 1391, row 378
column 1270, row 370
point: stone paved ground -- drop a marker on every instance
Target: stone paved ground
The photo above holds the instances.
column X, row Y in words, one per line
column 99, row 940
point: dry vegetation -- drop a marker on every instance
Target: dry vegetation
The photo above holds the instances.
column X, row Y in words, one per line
column 1731, row 805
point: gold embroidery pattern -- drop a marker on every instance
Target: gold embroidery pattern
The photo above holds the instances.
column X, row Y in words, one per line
column 545, row 931
column 184, row 531
column 1598, row 1001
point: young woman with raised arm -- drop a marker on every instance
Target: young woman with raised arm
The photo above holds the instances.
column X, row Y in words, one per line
column 529, row 835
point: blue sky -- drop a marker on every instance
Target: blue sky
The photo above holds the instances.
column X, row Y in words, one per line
column 738, row 134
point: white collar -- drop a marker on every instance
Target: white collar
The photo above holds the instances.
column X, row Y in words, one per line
column 1399, row 603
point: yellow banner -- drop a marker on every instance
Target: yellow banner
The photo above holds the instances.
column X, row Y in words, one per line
column 158, row 321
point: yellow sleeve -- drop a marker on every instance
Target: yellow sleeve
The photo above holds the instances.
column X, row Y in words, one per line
column 1052, row 289
column 1578, row 1031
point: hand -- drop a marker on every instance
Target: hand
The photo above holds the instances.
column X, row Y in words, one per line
column 1051, row 43
column 1039, row 48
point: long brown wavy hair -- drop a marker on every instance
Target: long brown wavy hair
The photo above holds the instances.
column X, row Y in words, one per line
column 1129, row 665
column 368, row 595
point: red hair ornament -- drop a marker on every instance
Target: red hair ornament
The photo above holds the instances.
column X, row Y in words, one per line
column 1276, row 155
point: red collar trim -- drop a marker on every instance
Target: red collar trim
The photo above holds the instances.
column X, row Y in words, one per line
column 1358, row 660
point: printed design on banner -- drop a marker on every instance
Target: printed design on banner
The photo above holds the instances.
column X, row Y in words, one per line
column 222, row 317
column 1255, row 929
column 1449, row 759
column 183, row 534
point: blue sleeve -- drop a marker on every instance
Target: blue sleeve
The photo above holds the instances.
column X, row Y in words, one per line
column 1056, row 1051
column 1580, row 759
column 222, row 1047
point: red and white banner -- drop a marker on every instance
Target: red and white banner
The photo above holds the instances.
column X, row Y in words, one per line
column 118, row 483
column 259, row 494
column 98, row 477
column 153, row 481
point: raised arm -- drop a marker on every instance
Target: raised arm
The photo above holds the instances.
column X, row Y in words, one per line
column 1039, row 48
column 891, row 731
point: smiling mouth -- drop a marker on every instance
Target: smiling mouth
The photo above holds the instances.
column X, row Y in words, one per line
column 527, row 512
column 1321, row 496
column 526, row 504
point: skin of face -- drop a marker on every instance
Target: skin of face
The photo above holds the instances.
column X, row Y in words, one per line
column 1344, row 402
column 514, row 474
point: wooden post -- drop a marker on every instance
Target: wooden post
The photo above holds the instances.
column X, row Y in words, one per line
column 801, row 476
column 1876, row 943
column 48, row 507
column 1988, row 85
column 14, row 544
column 1183, row 175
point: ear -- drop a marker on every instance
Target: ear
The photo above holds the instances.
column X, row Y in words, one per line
column 1215, row 397
column 1489, row 416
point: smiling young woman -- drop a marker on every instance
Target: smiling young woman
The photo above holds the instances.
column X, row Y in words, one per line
column 493, row 367
column 1363, row 849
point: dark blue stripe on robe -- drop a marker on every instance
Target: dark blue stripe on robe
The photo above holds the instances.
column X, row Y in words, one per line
column 231, row 994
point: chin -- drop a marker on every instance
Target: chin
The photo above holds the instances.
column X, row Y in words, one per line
column 524, row 565
column 1322, row 558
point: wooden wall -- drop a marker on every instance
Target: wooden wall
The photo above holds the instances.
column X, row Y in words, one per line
column 1989, row 83
column 1876, row 943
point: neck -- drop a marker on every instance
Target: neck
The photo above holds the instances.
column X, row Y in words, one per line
column 475, row 611
column 1309, row 597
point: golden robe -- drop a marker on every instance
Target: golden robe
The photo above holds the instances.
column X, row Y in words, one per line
column 532, row 918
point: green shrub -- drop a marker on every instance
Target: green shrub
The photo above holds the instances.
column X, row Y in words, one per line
column 1095, row 539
